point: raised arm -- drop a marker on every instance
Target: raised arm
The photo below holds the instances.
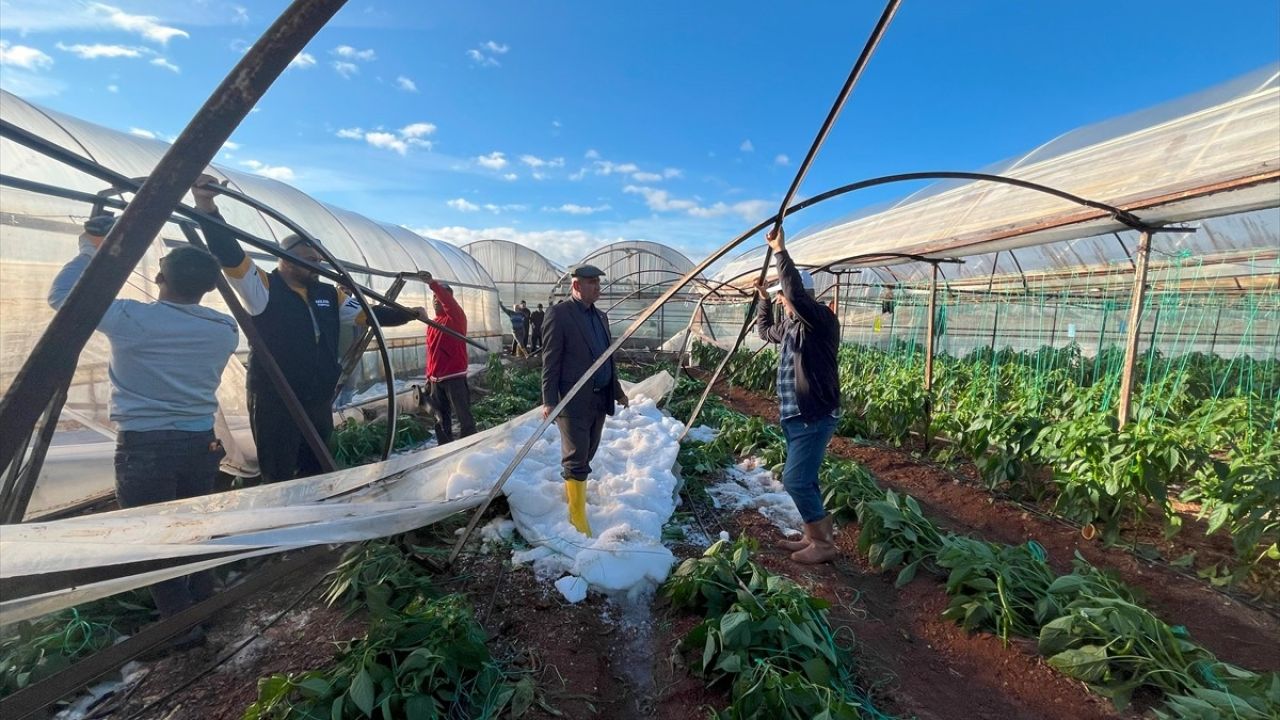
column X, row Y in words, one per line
column 115, row 319
column 808, row 310
column 247, row 278
column 766, row 328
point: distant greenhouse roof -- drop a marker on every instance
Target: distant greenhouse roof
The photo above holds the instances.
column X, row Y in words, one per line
column 1212, row 156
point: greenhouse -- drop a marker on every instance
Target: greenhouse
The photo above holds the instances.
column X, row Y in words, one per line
column 637, row 272
column 38, row 234
column 519, row 272
column 1014, row 452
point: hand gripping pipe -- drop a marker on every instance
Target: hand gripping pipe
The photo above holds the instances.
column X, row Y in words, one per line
column 886, row 17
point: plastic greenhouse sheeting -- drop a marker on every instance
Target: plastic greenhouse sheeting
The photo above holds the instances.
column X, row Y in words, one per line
column 38, row 234
column 636, row 273
column 1215, row 153
column 370, row 501
column 519, row 272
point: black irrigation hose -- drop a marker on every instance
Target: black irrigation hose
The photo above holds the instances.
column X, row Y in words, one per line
column 222, row 659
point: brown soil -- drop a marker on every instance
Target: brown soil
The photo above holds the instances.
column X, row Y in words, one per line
column 1235, row 632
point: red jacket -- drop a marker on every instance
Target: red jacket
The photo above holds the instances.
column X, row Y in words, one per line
column 446, row 355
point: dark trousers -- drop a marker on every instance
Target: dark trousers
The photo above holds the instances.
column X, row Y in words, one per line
column 580, row 437
column 452, row 395
column 535, row 339
column 283, row 454
column 519, row 338
column 162, row 465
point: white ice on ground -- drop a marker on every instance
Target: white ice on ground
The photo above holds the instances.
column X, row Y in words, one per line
column 630, row 496
column 573, row 588
column 750, row 485
column 702, row 433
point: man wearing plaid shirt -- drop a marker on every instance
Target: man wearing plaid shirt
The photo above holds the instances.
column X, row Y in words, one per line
column 808, row 395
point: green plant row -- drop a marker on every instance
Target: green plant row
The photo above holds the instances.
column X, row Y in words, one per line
column 357, row 443
column 423, row 656
column 1088, row 623
column 765, row 637
column 1206, row 431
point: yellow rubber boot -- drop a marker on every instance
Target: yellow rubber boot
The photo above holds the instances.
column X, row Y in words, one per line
column 575, row 491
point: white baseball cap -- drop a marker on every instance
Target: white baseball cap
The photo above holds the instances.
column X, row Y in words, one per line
column 806, row 280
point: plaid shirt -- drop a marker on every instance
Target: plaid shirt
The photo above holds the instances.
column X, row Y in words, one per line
column 790, row 406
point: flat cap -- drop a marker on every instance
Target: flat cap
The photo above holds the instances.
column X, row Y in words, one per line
column 586, row 271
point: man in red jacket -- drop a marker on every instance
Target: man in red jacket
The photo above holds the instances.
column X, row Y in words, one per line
column 447, row 363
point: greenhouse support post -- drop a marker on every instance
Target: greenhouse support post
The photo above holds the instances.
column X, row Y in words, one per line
column 929, row 330
column 52, row 362
column 264, row 356
column 1134, row 331
column 356, row 351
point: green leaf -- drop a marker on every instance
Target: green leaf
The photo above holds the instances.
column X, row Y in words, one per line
column 316, row 686
column 730, row 623
column 1067, row 584
column 908, row 574
column 1087, row 662
column 361, row 692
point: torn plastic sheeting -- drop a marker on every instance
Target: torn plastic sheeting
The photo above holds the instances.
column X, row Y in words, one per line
column 368, row 492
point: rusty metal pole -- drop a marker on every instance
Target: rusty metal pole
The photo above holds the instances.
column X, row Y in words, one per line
column 929, row 332
column 52, row 362
column 356, row 351
column 1134, row 331
column 262, row 354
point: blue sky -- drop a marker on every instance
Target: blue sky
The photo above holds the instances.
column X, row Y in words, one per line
column 569, row 125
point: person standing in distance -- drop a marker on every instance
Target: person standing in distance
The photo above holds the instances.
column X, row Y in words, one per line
column 447, row 363
column 808, row 395
column 575, row 334
column 535, row 329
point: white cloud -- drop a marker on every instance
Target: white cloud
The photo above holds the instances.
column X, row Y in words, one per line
column 21, row 56
column 228, row 145
column 161, row 62
column 662, row 201
column 113, row 88
column 484, row 55
column 417, row 130
column 406, row 84
column 400, row 141
column 591, row 155
column 387, row 140
column 142, row 133
column 781, row 160
column 93, row 52
column 275, row 172
column 302, row 60
column 511, row 177
column 672, row 172
column 147, row 26
column 534, row 161
column 575, row 209
column 646, row 177
column 604, row 167
column 345, row 69
column 582, row 172
column 746, row 146
column 498, row 209
column 462, row 205
column 239, row 15
column 555, row 123
column 346, row 52
column 494, row 160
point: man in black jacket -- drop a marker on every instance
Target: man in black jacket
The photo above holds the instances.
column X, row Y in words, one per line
column 808, row 395
column 298, row 318
column 574, row 335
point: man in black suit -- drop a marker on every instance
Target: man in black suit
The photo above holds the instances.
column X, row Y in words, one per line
column 574, row 335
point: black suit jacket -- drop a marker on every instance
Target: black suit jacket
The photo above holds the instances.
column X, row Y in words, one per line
column 566, row 355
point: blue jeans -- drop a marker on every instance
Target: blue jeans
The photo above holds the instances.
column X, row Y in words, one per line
column 163, row 465
column 806, row 445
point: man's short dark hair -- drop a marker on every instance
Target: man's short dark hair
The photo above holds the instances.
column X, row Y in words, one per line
column 189, row 271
